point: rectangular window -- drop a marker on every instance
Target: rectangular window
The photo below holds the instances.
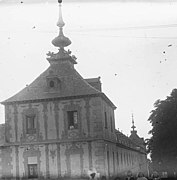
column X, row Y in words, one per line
column 32, row 171
column 106, row 121
column 30, row 124
column 72, row 119
column 111, row 124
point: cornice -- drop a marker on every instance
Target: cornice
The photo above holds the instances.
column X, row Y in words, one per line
column 69, row 141
column 61, row 98
column 48, row 99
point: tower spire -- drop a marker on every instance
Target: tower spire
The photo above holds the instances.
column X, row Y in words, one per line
column 60, row 22
column 61, row 42
column 133, row 125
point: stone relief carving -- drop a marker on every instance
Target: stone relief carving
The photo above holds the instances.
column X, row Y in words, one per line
column 53, row 154
column 74, row 148
column 73, row 134
column 53, row 151
column 31, row 137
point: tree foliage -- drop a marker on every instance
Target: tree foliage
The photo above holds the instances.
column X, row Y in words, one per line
column 163, row 143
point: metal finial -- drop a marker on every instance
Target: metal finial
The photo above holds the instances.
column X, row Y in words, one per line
column 133, row 126
column 60, row 22
column 61, row 41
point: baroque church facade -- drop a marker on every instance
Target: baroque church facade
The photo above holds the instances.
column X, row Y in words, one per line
column 62, row 126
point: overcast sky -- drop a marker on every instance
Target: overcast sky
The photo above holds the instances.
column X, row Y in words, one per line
column 132, row 46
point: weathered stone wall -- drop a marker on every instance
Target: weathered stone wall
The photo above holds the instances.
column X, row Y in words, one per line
column 109, row 131
column 7, row 162
column 51, row 120
column 53, row 160
column 95, row 120
column 59, row 151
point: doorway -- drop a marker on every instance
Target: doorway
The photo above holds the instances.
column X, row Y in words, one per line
column 32, row 171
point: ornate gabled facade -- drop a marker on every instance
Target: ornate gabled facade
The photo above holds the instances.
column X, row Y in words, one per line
column 63, row 125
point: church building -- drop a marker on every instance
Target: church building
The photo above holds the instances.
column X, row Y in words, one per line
column 63, row 126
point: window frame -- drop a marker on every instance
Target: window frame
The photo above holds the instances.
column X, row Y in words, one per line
column 30, row 124
column 34, row 169
column 73, row 120
column 112, row 124
column 52, row 83
column 105, row 120
column 56, row 82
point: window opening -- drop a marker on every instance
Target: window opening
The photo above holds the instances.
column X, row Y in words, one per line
column 111, row 124
column 30, row 124
column 52, row 84
column 106, row 121
column 72, row 119
column 32, row 171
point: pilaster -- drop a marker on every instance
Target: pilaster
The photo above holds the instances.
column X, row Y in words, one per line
column 17, row 161
column 90, row 154
column 87, row 107
column 45, row 119
column 56, row 111
column 47, row 161
column 16, row 122
column 58, row 160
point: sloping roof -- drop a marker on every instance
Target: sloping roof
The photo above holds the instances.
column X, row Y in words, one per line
column 134, row 137
column 95, row 82
column 71, row 84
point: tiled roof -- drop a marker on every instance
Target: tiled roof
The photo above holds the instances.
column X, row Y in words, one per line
column 134, row 137
column 95, row 82
column 70, row 84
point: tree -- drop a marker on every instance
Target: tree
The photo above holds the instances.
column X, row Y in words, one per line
column 163, row 143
